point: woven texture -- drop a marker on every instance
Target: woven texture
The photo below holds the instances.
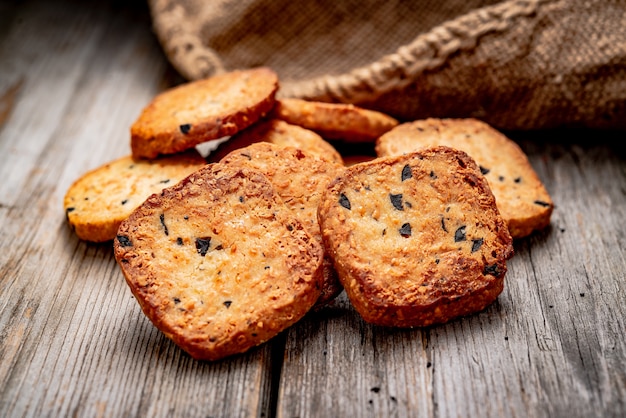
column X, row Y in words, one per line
column 514, row 64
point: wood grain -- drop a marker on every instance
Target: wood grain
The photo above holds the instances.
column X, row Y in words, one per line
column 73, row 341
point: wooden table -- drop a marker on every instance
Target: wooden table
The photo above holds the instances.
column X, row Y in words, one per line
column 73, row 341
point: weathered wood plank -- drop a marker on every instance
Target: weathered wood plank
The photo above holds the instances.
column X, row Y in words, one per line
column 552, row 345
column 73, row 341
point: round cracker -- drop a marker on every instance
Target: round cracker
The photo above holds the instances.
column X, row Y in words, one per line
column 195, row 112
column 97, row 202
column 218, row 263
column 335, row 120
column 416, row 239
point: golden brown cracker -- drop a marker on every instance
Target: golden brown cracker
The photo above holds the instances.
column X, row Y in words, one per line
column 218, row 263
column 198, row 111
column 335, row 120
column 97, row 202
column 300, row 179
column 416, row 239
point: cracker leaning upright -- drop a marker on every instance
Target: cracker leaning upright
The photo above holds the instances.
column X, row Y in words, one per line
column 218, row 263
column 187, row 115
column 416, row 239
column 300, row 179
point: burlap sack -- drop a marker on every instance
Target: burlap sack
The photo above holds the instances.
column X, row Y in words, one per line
column 514, row 64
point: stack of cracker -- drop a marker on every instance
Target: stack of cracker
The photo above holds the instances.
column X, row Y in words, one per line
column 224, row 251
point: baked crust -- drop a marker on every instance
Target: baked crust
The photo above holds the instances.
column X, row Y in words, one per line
column 98, row 201
column 281, row 133
column 416, row 239
column 337, row 121
column 198, row 111
column 218, row 263
column 300, row 179
column 522, row 199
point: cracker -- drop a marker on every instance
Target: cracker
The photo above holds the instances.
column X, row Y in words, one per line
column 300, row 179
column 416, row 239
column 218, row 263
column 522, row 199
column 198, row 111
column 335, row 121
column 280, row 133
column 98, row 201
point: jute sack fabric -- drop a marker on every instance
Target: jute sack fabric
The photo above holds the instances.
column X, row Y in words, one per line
column 514, row 64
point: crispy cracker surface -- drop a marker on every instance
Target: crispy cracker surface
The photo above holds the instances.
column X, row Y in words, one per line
column 97, row 202
column 416, row 239
column 335, row 120
column 218, row 263
column 300, row 179
column 198, row 111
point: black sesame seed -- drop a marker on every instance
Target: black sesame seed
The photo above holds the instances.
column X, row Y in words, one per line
column 70, row 209
column 343, row 201
column 179, row 241
column 484, row 170
column 396, row 201
column 124, row 241
column 165, row 181
column 492, row 270
column 185, row 128
column 125, row 201
column 459, row 234
column 405, row 230
column 541, row 203
column 202, row 245
column 227, row 303
column 517, row 179
column 162, row 218
column 476, row 244
column 406, row 172
column 432, row 175
column 443, row 224
column 501, row 178
column 176, row 301
column 219, row 247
